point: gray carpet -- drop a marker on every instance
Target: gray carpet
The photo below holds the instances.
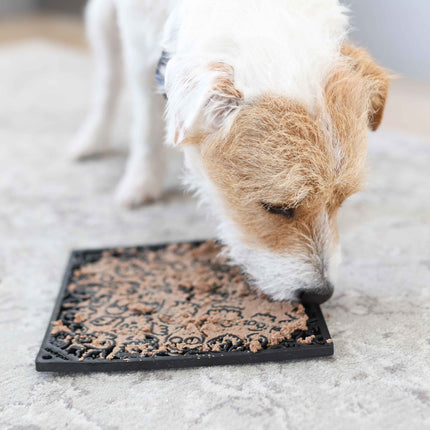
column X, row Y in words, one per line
column 379, row 377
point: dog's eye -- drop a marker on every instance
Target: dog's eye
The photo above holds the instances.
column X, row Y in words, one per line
column 279, row 210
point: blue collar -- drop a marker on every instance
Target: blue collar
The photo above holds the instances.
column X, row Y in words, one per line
column 161, row 71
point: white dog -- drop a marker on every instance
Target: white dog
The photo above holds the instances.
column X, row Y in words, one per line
column 269, row 103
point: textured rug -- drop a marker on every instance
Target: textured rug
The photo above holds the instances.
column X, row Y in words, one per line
column 379, row 377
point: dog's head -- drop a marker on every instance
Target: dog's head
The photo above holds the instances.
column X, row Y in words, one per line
column 278, row 171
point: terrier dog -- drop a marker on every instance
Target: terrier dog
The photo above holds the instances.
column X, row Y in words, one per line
column 271, row 106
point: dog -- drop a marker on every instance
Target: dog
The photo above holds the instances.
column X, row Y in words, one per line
column 271, row 105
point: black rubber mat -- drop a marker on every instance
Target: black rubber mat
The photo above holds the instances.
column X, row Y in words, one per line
column 89, row 351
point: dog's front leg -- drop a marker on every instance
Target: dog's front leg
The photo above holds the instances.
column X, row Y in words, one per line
column 143, row 180
column 93, row 138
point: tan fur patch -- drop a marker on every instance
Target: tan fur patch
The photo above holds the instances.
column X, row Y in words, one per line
column 274, row 153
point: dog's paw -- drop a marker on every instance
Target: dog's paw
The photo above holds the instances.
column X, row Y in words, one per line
column 134, row 191
column 88, row 143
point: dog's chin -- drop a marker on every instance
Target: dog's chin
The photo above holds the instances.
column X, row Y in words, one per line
column 280, row 276
column 334, row 263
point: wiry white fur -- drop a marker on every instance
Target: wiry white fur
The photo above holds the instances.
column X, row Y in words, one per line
column 281, row 276
column 335, row 258
column 284, row 47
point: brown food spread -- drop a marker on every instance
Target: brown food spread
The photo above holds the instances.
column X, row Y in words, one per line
column 176, row 300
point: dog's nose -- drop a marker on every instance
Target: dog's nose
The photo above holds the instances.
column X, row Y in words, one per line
column 318, row 295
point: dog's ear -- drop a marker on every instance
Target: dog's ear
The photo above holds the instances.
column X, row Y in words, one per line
column 201, row 96
column 377, row 82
